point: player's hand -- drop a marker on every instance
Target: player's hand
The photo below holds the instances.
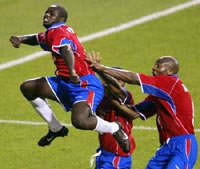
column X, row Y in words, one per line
column 93, row 57
column 74, row 77
column 97, row 67
column 16, row 41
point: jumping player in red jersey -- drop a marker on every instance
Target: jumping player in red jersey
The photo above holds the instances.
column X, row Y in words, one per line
column 75, row 85
column 170, row 100
column 109, row 154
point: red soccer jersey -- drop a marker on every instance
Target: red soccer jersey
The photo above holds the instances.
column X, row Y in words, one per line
column 59, row 35
column 171, row 101
column 106, row 111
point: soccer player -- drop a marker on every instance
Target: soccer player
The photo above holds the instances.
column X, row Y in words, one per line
column 109, row 154
column 171, row 101
column 74, row 85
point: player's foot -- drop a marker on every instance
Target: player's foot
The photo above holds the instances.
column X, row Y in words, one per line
column 47, row 139
column 122, row 139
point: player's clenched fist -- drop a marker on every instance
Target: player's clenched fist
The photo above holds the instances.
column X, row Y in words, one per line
column 15, row 40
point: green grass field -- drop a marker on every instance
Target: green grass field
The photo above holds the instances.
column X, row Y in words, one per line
column 134, row 49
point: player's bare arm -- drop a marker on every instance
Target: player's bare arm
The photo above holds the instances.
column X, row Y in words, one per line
column 111, row 83
column 113, row 86
column 68, row 56
column 124, row 75
column 25, row 39
column 128, row 111
column 117, row 91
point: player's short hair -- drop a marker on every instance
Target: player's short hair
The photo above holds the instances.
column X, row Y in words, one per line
column 62, row 11
column 172, row 63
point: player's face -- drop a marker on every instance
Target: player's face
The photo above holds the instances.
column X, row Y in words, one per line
column 160, row 68
column 51, row 16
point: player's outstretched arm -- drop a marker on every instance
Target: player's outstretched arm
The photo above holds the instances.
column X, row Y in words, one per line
column 111, row 83
column 25, row 39
column 113, row 86
column 121, row 74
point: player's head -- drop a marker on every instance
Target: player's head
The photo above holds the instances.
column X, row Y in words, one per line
column 54, row 14
column 167, row 65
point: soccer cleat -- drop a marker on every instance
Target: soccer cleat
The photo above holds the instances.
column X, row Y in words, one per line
column 122, row 138
column 47, row 139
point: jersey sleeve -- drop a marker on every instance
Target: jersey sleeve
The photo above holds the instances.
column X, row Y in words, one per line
column 146, row 108
column 60, row 42
column 41, row 38
column 159, row 86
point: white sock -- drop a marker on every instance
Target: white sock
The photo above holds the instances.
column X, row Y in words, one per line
column 44, row 110
column 105, row 126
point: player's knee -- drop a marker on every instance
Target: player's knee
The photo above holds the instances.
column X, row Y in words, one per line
column 26, row 90
column 81, row 116
column 24, row 87
column 79, row 123
column 76, row 124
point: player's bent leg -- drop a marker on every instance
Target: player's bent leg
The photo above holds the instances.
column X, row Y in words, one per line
column 82, row 117
column 37, row 87
column 36, row 91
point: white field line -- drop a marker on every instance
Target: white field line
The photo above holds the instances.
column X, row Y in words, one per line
column 70, row 125
column 27, row 122
column 108, row 31
column 22, row 60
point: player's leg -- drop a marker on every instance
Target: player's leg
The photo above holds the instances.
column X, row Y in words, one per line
column 155, row 164
column 161, row 158
column 92, row 92
column 193, row 155
column 185, row 152
column 82, row 111
column 82, row 118
column 176, row 162
column 36, row 91
column 38, row 87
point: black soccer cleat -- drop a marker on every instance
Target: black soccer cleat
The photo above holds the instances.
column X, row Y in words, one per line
column 47, row 139
column 122, row 138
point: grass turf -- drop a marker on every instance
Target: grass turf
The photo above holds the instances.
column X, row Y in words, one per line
column 134, row 49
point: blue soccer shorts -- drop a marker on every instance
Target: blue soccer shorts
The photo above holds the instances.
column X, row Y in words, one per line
column 109, row 160
column 179, row 152
column 89, row 89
